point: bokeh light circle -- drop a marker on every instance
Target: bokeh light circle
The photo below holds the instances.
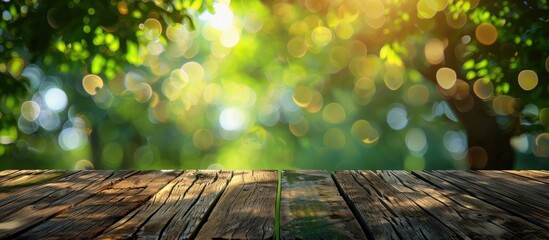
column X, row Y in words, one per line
column 92, row 83
column 486, row 33
column 528, row 79
column 55, row 99
column 364, row 132
column 333, row 113
column 152, row 28
column 30, row 110
column 233, row 119
column 446, row 77
column 203, row 139
column 483, row 88
column 397, row 117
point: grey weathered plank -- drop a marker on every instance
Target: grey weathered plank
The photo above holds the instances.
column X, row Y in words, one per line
column 311, row 208
column 176, row 211
column 461, row 212
column 385, row 212
column 541, row 176
column 27, row 207
column 92, row 216
column 487, row 190
column 246, row 210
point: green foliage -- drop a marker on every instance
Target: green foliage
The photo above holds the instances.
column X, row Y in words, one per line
column 249, row 84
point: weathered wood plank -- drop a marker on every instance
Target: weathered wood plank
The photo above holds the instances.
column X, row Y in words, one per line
column 385, row 212
column 92, row 216
column 15, row 200
column 535, row 190
column 311, row 208
column 461, row 212
column 14, row 194
column 5, row 173
column 541, row 176
column 26, row 178
column 439, row 207
column 246, row 210
column 12, row 174
column 176, row 211
column 520, row 192
column 26, row 207
column 487, row 190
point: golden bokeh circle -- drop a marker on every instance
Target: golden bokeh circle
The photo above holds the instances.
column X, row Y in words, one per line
column 528, row 79
column 486, row 33
column 92, row 84
column 446, row 77
column 483, row 89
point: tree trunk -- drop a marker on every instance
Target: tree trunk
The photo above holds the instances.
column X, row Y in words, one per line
column 489, row 145
column 96, row 148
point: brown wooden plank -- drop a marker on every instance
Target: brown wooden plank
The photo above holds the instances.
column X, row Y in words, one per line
column 246, row 210
column 541, row 176
column 521, row 193
column 7, row 172
column 13, row 201
column 536, row 190
column 176, row 211
column 481, row 188
column 26, row 207
column 92, row 216
column 311, row 208
column 461, row 212
column 385, row 212
column 11, row 174
column 27, row 178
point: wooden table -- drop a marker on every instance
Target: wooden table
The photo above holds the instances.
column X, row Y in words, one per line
column 53, row 204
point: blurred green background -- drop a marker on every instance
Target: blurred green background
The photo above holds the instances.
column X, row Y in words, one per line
column 339, row 84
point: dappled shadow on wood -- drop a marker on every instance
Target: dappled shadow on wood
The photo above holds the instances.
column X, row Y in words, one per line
column 31, row 205
column 213, row 204
column 396, row 204
column 147, row 204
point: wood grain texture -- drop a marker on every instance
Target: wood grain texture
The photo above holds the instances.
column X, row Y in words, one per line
column 25, row 178
column 540, row 176
column 246, row 210
column 311, row 208
column 536, row 190
column 52, row 204
column 386, row 212
column 92, row 216
column 176, row 211
column 18, row 175
column 491, row 191
column 468, row 216
column 7, row 172
column 27, row 207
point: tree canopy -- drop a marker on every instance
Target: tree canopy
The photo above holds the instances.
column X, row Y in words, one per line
column 333, row 84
